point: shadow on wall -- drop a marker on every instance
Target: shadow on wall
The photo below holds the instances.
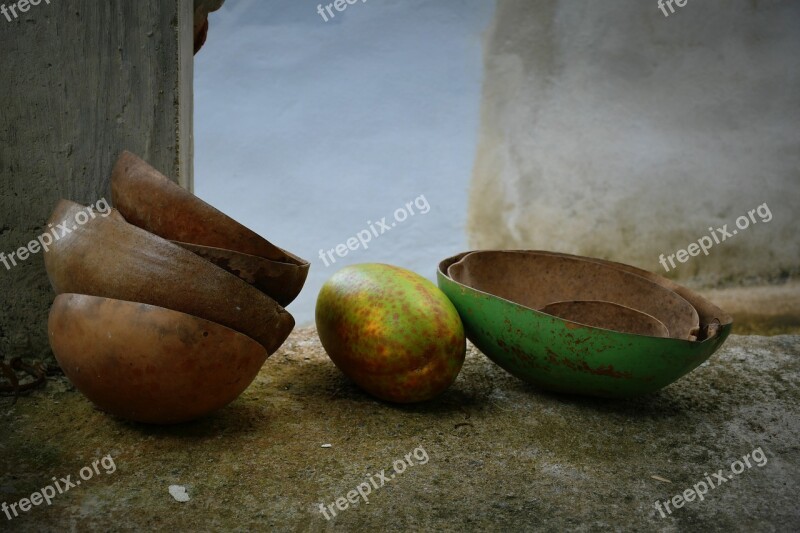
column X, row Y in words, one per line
column 619, row 132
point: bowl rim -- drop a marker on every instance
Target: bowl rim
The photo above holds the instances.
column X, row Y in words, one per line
column 71, row 295
column 612, row 304
column 268, row 320
column 296, row 263
column 725, row 320
column 690, row 329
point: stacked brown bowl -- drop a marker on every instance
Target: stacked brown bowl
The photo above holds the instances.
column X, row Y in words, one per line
column 166, row 307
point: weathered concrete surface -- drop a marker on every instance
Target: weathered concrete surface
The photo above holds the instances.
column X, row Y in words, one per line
column 502, row 455
column 80, row 81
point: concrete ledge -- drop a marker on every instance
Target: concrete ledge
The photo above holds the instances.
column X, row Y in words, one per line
column 502, row 455
column 764, row 310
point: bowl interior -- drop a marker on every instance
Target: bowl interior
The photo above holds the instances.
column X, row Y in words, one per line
column 537, row 280
column 713, row 320
column 608, row 315
column 279, row 280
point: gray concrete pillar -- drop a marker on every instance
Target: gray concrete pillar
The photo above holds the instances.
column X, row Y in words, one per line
column 81, row 80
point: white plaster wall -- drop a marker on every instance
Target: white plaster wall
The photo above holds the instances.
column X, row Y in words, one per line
column 609, row 129
column 307, row 130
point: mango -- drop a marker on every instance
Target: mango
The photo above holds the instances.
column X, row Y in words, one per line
column 391, row 331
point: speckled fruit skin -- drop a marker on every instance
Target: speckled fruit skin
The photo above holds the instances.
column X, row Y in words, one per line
column 391, row 331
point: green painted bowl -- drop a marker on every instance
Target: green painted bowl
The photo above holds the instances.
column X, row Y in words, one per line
column 564, row 356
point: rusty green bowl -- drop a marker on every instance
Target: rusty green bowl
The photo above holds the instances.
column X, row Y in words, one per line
column 563, row 356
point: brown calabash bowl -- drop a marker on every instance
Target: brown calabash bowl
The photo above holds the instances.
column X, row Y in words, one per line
column 281, row 281
column 147, row 199
column 149, row 364
column 713, row 320
column 107, row 257
column 542, row 279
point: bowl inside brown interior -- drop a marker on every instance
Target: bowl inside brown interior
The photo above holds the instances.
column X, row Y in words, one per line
column 535, row 280
column 608, row 315
column 712, row 317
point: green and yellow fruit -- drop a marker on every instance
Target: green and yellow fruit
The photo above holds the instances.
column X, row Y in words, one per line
column 391, row 331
